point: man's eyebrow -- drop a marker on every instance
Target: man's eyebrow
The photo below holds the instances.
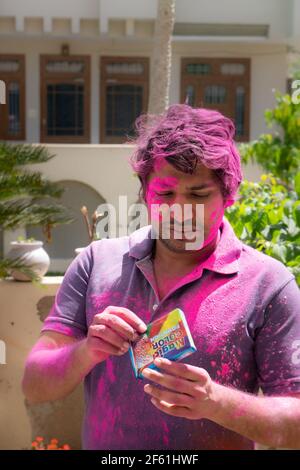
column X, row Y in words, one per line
column 200, row 186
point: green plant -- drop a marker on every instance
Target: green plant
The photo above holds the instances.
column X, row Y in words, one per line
column 278, row 153
column 26, row 197
column 267, row 217
column 267, row 214
column 22, row 239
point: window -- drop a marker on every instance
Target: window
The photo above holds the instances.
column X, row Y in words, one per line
column 222, row 84
column 12, row 115
column 65, row 99
column 124, row 96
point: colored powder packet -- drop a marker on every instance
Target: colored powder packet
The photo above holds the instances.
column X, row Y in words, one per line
column 168, row 336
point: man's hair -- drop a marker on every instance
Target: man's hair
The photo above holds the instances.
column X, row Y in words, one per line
column 185, row 136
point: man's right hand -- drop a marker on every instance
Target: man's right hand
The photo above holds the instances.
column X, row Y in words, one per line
column 111, row 332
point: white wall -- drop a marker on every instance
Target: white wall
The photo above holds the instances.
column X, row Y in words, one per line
column 273, row 12
column 48, row 10
column 24, row 307
column 268, row 73
column 102, row 167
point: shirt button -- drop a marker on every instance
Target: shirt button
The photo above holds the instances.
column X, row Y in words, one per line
column 155, row 306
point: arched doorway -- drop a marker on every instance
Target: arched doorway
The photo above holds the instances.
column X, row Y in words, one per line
column 65, row 238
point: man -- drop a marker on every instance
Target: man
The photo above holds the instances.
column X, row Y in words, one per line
column 242, row 308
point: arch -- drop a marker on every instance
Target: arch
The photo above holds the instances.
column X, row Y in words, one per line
column 67, row 237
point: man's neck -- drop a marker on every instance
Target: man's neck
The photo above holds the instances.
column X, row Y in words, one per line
column 166, row 257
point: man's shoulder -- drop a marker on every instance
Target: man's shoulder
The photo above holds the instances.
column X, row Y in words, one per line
column 117, row 247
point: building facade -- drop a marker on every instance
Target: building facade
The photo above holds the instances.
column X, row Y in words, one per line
column 77, row 75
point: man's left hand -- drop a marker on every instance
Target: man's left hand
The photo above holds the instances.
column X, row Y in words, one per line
column 189, row 391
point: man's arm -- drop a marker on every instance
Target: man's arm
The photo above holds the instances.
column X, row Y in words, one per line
column 58, row 363
column 55, row 366
column 271, row 421
column 191, row 393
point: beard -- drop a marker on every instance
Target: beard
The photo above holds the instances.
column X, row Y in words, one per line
column 176, row 246
column 176, row 240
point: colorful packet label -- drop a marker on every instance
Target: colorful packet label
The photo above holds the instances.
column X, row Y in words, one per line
column 168, row 336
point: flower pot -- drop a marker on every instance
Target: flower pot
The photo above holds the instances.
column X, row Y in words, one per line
column 31, row 254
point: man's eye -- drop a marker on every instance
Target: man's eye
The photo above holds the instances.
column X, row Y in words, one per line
column 164, row 194
column 200, row 195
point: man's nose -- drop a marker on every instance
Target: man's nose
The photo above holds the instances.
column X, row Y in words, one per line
column 183, row 212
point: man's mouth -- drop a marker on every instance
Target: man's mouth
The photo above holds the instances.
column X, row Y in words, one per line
column 179, row 233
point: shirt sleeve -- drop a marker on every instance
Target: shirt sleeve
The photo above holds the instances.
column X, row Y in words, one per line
column 277, row 344
column 68, row 313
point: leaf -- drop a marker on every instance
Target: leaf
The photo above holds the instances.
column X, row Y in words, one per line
column 297, row 184
column 279, row 252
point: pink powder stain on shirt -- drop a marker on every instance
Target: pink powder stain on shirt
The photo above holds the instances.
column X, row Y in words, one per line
column 98, row 303
column 166, row 438
column 108, row 425
column 111, row 425
column 225, row 370
column 110, row 370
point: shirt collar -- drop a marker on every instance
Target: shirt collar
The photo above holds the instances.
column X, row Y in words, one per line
column 224, row 259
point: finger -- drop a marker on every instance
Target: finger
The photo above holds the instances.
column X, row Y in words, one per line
column 172, row 410
column 129, row 317
column 169, row 381
column 108, row 335
column 186, row 371
column 126, row 331
column 179, row 399
column 98, row 344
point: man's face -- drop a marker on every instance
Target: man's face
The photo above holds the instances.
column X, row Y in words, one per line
column 167, row 185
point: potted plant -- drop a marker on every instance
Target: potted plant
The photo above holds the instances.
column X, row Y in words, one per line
column 31, row 253
column 27, row 199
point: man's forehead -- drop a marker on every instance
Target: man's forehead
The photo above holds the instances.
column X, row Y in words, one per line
column 166, row 175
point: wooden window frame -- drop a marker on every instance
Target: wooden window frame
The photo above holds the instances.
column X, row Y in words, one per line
column 122, row 79
column 19, row 77
column 58, row 77
column 233, row 81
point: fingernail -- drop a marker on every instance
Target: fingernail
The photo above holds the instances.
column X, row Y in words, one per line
column 142, row 327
